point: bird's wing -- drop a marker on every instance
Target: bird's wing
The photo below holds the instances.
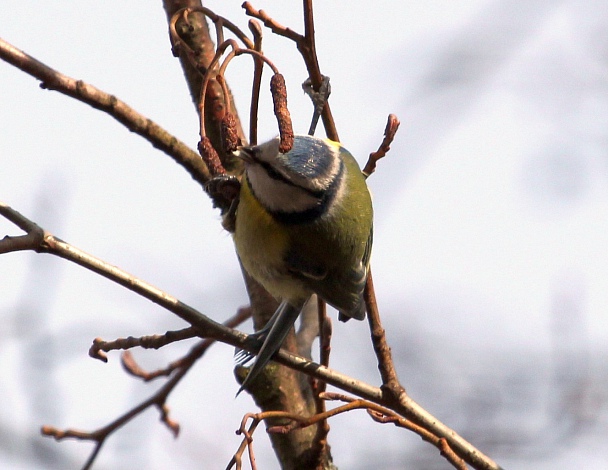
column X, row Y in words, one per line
column 342, row 288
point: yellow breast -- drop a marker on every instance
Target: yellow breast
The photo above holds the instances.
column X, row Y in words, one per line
column 262, row 243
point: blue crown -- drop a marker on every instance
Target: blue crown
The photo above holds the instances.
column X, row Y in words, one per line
column 310, row 157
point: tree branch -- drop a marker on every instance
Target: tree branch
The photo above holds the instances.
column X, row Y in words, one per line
column 392, row 125
column 161, row 139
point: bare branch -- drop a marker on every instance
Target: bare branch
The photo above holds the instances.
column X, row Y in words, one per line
column 392, row 125
column 378, row 413
column 161, row 139
column 319, row 386
column 247, row 443
column 381, row 347
column 100, row 347
column 274, row 26
column 385, row 416
column 48, row 243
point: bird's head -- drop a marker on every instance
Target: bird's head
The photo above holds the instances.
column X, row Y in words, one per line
column 306, row 178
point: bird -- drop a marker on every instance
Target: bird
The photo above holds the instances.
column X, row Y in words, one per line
column 303, row 226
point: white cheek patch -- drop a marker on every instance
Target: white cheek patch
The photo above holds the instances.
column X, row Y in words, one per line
column 277, row 195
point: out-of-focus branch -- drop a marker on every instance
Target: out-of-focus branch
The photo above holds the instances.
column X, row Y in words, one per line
column 161, row 139
column 180, row 368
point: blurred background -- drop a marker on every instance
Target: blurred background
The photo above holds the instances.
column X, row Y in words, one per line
column 490, row 258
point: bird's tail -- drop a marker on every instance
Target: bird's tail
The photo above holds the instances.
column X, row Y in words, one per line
column 280, row 324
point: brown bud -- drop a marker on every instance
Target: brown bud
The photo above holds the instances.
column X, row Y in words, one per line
column 279, row 98
column 230, row 137
column 210, row 157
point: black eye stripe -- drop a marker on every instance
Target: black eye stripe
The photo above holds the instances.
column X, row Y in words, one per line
column 325, row 199
column 275, row 175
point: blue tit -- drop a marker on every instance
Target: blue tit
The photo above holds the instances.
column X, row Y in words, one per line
column 303, row 225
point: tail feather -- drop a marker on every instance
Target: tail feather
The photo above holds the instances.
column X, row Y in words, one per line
column 281, row 323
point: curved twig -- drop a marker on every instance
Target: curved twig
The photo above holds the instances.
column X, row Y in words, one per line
column 221, row 49
column 220, row 22
column 377, row 412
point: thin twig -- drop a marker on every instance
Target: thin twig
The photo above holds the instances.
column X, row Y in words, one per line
column 246, row 443
column 392, row 125
column 195, row 353
column 386, row 416
column 378, row 413
column 256, row 31
column 220, row 23
column 381, row 347
column 99, row 348
column 270, row 23
column 48, row 243
column 319, row 386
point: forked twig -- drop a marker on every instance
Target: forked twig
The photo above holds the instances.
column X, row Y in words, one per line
column 377, row 412
column 385, row 416
column 99, row 348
